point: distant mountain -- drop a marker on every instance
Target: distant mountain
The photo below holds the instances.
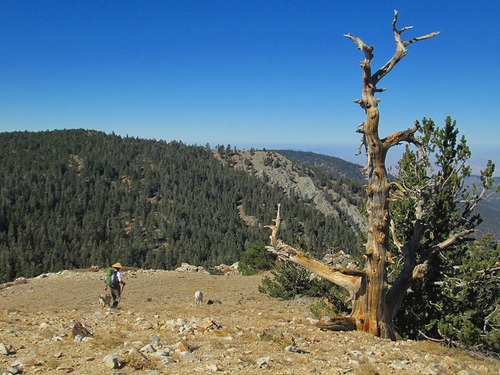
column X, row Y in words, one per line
column 337, row 168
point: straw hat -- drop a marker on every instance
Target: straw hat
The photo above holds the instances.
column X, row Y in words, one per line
column 117, row 265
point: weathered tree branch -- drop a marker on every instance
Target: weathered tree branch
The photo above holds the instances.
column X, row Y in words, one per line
column 420, row 270
column 452, row 240
column 346, row 278
column 404, row 136
column 367, row 50
column 398, row 244
column 401, row 50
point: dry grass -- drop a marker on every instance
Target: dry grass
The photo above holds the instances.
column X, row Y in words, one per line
column 137, row 361
column 367, row 369
column 106, row 341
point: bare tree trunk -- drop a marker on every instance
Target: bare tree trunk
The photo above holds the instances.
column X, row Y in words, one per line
column 372, row 311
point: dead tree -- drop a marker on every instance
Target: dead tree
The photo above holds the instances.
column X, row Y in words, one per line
column 375, row 302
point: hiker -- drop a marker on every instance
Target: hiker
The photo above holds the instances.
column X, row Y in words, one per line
column 115, row 283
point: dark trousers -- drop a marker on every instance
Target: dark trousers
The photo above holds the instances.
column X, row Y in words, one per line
column 115, row 296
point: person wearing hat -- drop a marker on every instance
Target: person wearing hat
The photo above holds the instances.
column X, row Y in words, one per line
column 116, row 284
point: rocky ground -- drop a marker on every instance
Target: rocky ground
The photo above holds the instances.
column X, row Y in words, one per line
column 54, row 324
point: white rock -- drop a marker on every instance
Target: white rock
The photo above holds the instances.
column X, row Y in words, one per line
column 147, row 349
column 213, row 368
column 3, row 349
column 263, row 361
column 111, row 361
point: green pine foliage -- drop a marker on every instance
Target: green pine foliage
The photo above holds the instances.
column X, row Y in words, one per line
column 255, row 260
column 287, row 281
column 451, row 302
column 470, row 307
column 76, row 198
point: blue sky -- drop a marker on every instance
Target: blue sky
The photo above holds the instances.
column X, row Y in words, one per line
column 263, row 74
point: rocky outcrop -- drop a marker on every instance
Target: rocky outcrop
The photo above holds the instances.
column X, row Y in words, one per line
column 280, row 171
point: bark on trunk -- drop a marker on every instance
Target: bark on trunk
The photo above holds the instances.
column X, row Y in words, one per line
column 372, row 311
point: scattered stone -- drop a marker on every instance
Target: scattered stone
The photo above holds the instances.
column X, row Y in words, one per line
column 147, row 349
column 145, row 325
column 80, row 329
column 205, row 325
column 6, row 349
column 292, row 348
column 26, row 362
column 224, row 269
column 181, row 322
column 356, row 363
column 263, row 361
column 183, row 347
column 12, row 332
column 111, row 361
column 155, row 339
column 187, row 357
column 185, row 267
column 429, row 370
column 213, row 368
column 312, row 320
column 65, row 368
column 164, row 356
column 44, row 325
column 483, row 369
column 449, row 362
column 233, row 349
column 214, row 302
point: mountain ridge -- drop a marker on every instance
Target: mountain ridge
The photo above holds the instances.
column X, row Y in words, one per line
column 75, row 198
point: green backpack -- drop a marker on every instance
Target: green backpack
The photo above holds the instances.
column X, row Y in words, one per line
column 111, row 278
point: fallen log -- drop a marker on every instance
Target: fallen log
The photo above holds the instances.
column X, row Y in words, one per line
column 337, row 323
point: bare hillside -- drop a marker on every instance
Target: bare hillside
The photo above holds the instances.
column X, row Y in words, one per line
column 54, row 324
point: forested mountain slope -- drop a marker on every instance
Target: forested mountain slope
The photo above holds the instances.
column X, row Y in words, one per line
column 351, row 175
column 76, row 198
column 336, row 167
column 322, row 185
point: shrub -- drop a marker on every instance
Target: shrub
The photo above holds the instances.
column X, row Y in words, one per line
column 290, row 280
column 255, row 259
column 287, row 282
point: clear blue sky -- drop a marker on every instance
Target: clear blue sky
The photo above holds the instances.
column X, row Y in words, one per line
column 273, row 74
